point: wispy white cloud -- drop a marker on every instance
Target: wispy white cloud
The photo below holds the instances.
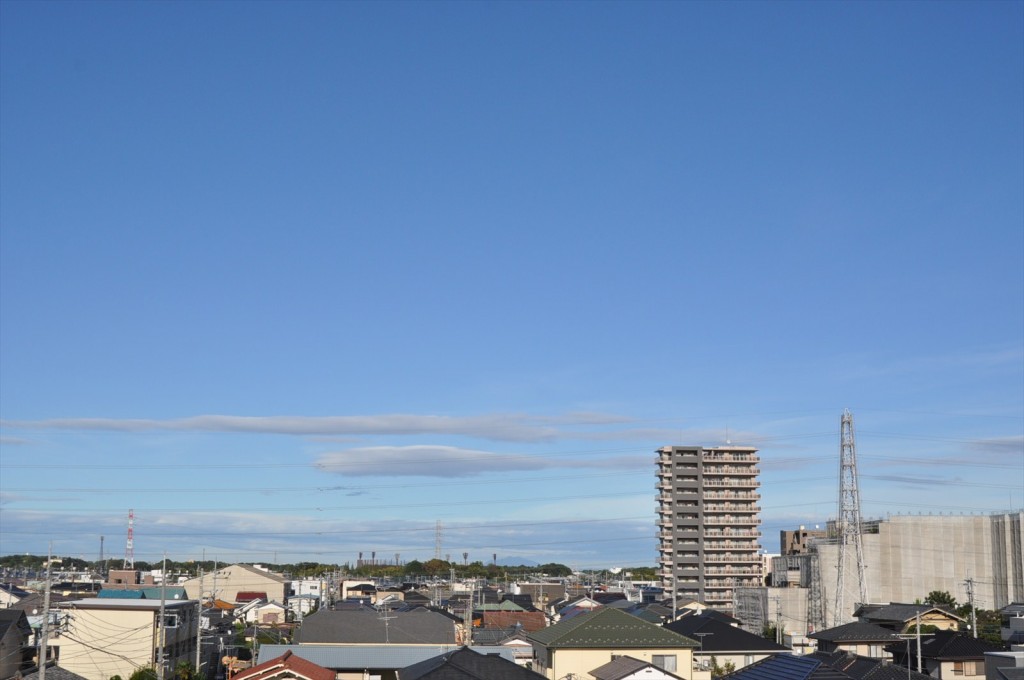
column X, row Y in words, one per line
column 502, row 427
column 13, row 441
column 979, row 359
column 452, row 461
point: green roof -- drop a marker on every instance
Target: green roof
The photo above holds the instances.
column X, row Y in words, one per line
column 608, row 627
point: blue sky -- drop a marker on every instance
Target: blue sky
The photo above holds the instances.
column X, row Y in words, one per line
column 299, row 280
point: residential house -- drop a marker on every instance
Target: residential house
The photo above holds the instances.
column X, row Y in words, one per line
column 368, row 661
column 1004, row 665
column 785, row 667
column 227, row 582
column 11, row 594
column 466, row 664
column 285, row 667
column 1012, row 623
column 856, row 637
column 268, row 614
column 628, row 668
column 866, row 668
column 946, row 654
column 15, row 642
column 103, row 637
column 903, row 618
column 591, row 640
column 723, row 644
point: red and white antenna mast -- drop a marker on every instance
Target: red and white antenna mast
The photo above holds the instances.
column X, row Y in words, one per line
column 129, row 548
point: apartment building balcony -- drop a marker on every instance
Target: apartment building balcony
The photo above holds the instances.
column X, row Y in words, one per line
column 731, row 507
column 731, row 545
column 730, row 470
column 723, row 457
column 732, row 496
column 717, row 520
column 731, row 533
column 749, row 558
column 730, row 483
column 729, row 571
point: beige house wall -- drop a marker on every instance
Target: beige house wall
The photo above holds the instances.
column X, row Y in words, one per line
column 101, row 643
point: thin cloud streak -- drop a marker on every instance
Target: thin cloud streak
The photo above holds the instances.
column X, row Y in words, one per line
column 502, row 427
column 451, row 461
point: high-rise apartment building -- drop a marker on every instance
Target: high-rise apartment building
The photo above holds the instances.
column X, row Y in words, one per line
column 708, row 522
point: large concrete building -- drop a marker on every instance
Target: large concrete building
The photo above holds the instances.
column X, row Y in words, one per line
column 708, row 522
column 906, row 557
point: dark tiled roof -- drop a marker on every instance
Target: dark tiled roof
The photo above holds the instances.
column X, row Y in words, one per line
column 623, row 667
column 465, row 664
column 14, row 618
column 719, row 637
column 787, row 667
column 857, row 631
column 608, row 627
column 366, row 626
column 54, row 673
column 904, row 613
column 948, row 644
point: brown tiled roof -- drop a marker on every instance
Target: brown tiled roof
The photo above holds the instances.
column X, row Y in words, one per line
column 286, row 666
column 530, row 621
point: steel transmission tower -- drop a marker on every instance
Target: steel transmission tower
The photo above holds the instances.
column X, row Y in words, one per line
column 848, row 528
column 129, row 547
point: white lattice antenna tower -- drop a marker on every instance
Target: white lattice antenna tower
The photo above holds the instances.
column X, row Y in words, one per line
column 129, row 547
column 849, row 524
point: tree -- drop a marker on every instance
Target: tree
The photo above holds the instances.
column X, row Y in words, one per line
column 717, row 670
column 940, row 597
column 144, row 673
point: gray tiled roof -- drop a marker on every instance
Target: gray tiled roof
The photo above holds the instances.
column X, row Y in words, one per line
column 370, row 657
column 465, row 664
column 857, row 631
column 366, row 626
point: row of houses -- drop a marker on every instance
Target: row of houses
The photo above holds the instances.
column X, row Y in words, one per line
column 364, row 631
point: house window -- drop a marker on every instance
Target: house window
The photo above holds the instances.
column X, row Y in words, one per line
column 170, row 620
column 666, row 662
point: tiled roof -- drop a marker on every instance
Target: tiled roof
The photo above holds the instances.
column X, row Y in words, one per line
column 530, row 621
column 719, row 637
column 866, row 668
column 366, row 626
column 465, row 664
column 608, row 627
column 857, row 631
column 786, row 667
column 904, row 613
column 948, row 644
column 250, row 595
column 54, row 673
column 371, row 657
column 286, row 666
column 623, row 667
column 14, row 618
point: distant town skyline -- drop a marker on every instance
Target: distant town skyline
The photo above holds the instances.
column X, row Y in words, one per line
column 305, row 279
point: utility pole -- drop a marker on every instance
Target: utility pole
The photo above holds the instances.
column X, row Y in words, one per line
column 45, row 626
column 918, row 642
column 970, row 599
column 199, row 624
column 161, row 631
